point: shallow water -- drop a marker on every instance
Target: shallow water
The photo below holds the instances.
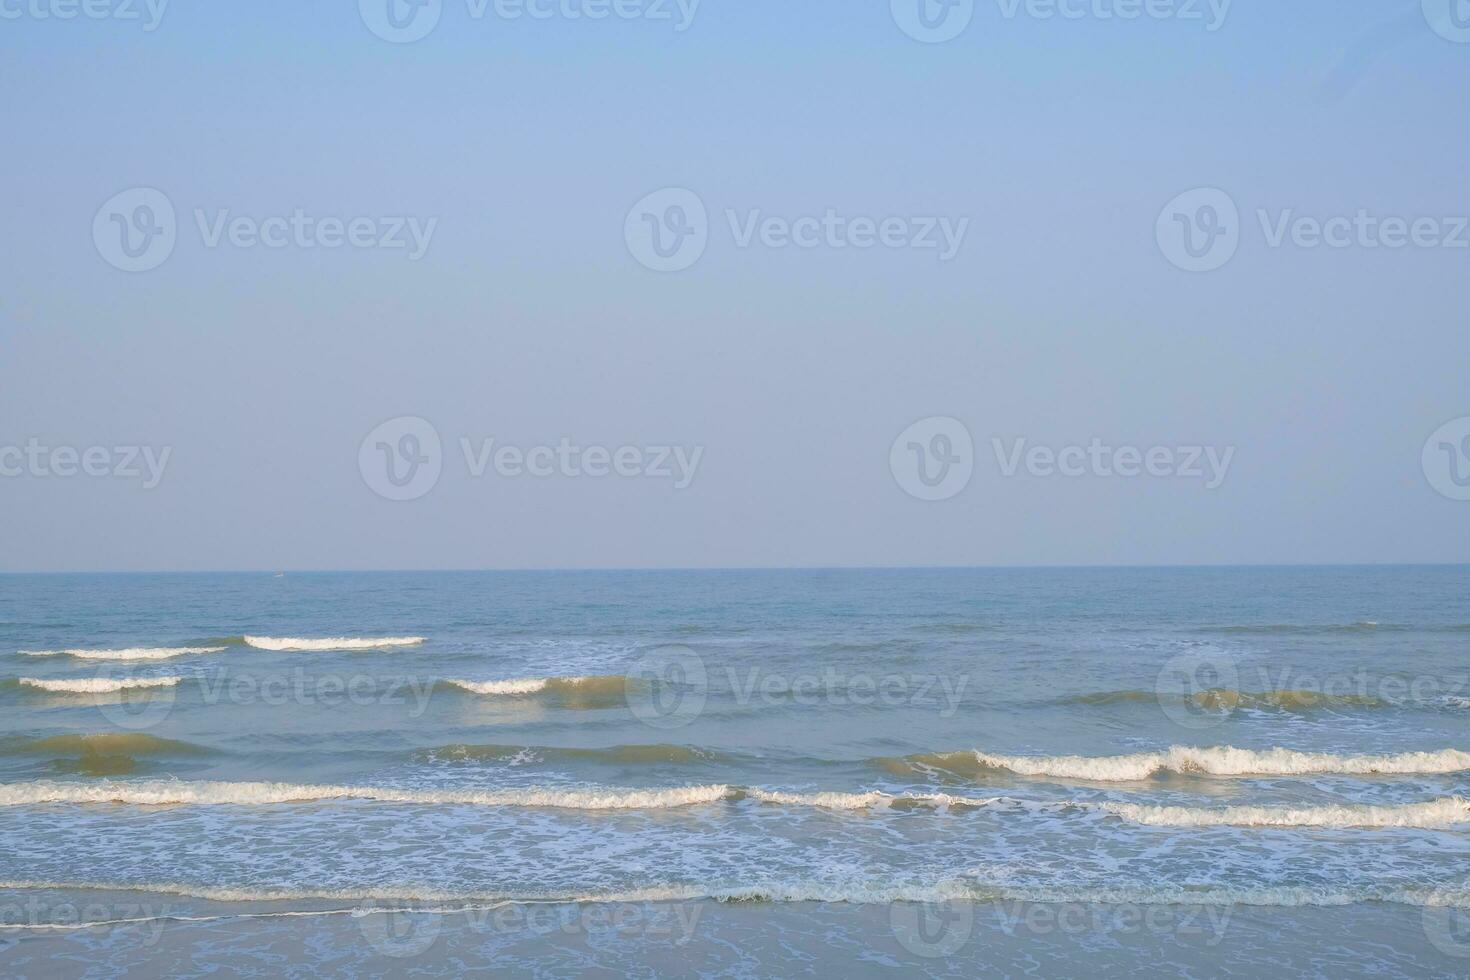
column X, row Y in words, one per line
column 826, row 749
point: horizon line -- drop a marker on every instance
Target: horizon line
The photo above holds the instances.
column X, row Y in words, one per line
column 734, row 568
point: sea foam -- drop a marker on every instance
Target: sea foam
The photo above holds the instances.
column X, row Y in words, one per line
column 1221, row 761
column 132, row 653
column 177, row 792
column 1434, row 813
column 851, row 891
column 98, row 685
column 330, row 642
column 535, row 685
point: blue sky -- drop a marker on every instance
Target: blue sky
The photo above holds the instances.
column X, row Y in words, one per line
column 528, row 320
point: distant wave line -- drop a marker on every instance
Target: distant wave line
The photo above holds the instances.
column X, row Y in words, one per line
column 131, row 653
column 98, row 685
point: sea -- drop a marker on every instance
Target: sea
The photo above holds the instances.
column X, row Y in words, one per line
column 933, row 772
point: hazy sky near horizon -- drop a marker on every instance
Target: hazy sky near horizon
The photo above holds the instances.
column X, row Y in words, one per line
column 1048, row 147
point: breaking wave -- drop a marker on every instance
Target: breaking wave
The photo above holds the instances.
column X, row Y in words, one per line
column 607, row 684
column 175, row 792
column 98, row 685
column 132, row 653
column 874, row 799
column 1222, row 761
column 330, row 642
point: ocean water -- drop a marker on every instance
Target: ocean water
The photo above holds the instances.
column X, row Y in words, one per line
column 751, row 773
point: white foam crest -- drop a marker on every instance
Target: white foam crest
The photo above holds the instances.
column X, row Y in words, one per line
column 98, row 685
column 1226, row 761
column 132, row 653
column 330, row 642
column 522, row 685
column 874, row 799
column 830, row 801
column 1270, row 895
column 178, row 792
column 1430, row 814
column 845, row 891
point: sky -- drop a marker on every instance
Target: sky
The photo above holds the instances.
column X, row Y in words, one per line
column 733, row 284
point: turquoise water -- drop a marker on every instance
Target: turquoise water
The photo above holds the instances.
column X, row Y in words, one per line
column 860, row 752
